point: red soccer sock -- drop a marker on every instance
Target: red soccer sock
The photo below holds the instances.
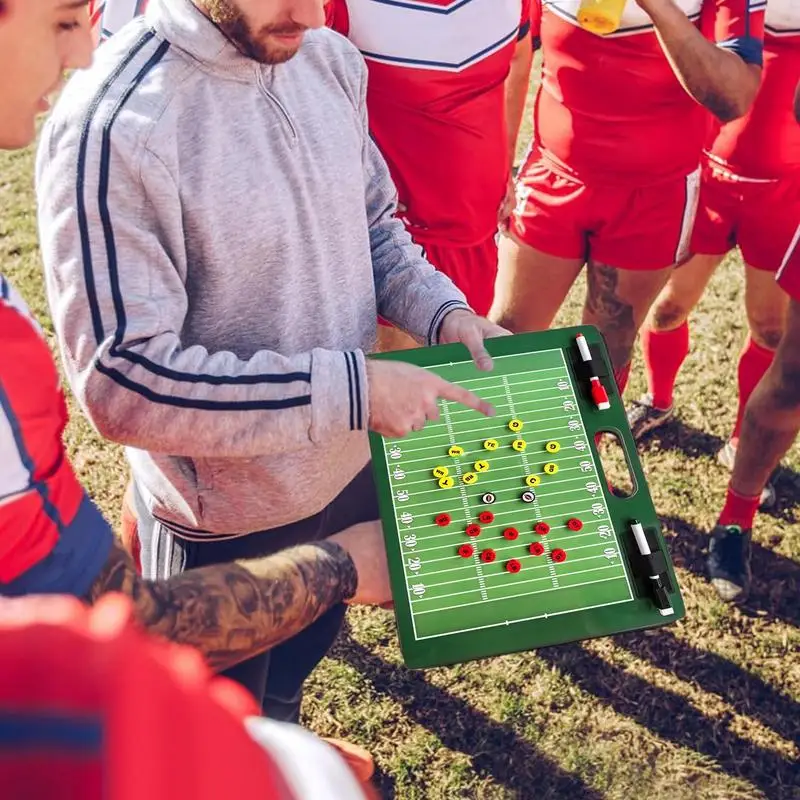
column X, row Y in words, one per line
column 753, row 363
column 739, row 510
column 621, row 377
column 664, row 354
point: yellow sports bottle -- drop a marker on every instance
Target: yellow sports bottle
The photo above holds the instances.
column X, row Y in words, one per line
column 601, row 16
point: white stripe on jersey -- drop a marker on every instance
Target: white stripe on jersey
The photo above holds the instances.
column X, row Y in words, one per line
column 15, row 479
column 634, row 18
column 783, row 17
column 418, row 35
column 312, row 769
column 11, row 297
column 117, row 13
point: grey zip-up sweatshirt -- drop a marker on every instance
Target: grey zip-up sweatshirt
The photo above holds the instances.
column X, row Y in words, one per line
column 218, row 238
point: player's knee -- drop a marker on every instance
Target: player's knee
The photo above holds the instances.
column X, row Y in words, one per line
column 766, row 333
column 668, row 315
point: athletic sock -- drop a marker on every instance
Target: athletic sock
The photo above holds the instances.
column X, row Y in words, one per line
column 621, row 377
column 664, row 354
column 739, row 510
column 753, row 363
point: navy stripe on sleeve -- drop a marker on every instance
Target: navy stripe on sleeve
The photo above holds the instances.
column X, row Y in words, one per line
column 748, row 48
column 116, row 350
column 357, row 391
column 25, row 731
column 438, row 318
column 83, row 225
column 351, row 390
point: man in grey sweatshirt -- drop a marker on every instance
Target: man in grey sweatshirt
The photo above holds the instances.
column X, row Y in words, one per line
column 219, row 236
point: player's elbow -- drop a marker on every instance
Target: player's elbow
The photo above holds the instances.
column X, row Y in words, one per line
column 738, row 100
column 116, row 413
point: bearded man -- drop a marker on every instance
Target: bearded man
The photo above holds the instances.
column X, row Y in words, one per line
column 219, row 238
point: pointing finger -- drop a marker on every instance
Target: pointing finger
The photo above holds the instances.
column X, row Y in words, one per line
column 472, row 338
column 457, row 394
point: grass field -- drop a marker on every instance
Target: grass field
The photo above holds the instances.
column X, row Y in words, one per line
column 709, row 708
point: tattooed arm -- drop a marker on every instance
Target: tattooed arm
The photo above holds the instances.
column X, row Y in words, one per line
column 231, row 612
column 723, row 80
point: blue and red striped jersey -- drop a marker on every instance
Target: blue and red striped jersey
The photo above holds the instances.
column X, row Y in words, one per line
column 52, row 538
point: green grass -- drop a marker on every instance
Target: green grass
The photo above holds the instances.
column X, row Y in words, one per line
column 709, row 708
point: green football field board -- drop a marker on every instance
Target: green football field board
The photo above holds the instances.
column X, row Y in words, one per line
column 452, row 607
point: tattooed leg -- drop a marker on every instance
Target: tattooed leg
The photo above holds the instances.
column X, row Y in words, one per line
column 617, row 302
column 772, row 415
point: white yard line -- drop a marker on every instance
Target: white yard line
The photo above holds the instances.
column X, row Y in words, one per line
column 490, row 397
column 462, row 432
column 523, row 619
column 519, row 583
column 533, row 565
column 511, row 543
column 465, row 503
column 552, row 536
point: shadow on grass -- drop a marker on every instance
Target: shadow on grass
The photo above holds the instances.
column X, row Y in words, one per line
column 776, row 579
column 748, row 694
column 674, row 718
column 696, row 443
column 495, row 749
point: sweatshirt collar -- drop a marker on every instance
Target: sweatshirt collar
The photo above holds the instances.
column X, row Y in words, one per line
column 182, row 24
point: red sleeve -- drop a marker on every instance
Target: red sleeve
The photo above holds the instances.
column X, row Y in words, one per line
column 336, row 16
column 736, row 25
column 91, row 706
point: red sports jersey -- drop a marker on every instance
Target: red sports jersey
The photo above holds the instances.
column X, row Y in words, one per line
column 93, row 708
column 52, row 539
column 437, row 104
column 610, row 108
column 766, row 142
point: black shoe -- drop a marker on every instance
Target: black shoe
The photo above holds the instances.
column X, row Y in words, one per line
column 729, row 562
column 644, row 417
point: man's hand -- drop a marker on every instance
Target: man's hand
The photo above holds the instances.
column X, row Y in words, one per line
column 507, row 206
column 365, row 545
column 471, row 330
column 402, row 397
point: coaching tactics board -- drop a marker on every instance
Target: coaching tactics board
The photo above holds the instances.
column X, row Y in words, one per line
column 502, row 533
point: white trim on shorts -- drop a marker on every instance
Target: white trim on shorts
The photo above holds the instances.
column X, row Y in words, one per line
column 789, row 252
column 692, row 185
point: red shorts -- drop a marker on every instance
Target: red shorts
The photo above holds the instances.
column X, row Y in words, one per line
column 759, row 216
column 628, row 227
column 789, row 271
column 472, row 269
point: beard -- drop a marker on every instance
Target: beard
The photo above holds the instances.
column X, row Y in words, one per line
column 254, row 44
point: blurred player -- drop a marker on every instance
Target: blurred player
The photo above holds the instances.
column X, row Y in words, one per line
column 92, row 708
column 612, row 177
column 446, row 93
column 750, row 197
column 770, row 424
